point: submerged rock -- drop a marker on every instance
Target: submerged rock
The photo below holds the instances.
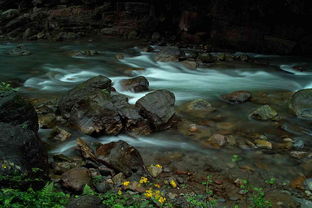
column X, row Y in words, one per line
column 264, row 113
column 137, row 84
column 157, row 107
column 199, row 105
column 122, row 157
column 237, row 97
column 19, row 51
column 301, row 103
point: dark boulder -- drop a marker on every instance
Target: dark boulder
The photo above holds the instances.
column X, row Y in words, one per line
column 89, row 107
column 237, row 97
column 133, row 122
column 122, row 157
column 301, row 103
column 157, row 107
column 16, row 111
column 137, row 84
column 21, row 151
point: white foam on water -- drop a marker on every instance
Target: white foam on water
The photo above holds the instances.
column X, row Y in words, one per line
column 137, row 142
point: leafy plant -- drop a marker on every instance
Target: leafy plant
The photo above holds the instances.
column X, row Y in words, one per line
column 258, row 199
column 236, row 158
column 45, row 198
column 207, row 183
column 5, row 87
column 200, row 201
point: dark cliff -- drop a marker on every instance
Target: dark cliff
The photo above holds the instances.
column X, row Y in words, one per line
column 279, row 26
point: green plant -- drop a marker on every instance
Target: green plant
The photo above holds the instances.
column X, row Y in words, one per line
column 271, row 181
column 87, row 190
column 45, row 198
column 207, row 183
column 236, row 158
column 5, row 87
column 200, row 201
column 258, row 199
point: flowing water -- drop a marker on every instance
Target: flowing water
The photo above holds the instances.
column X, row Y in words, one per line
column 52, row 70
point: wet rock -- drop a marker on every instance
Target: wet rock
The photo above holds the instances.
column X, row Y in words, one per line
column 16, row 111
column 19, row 51
column 216, row 141
column 88, row 107
column 20, row 151
column 133, row 122
column 86, row 201
column 85, row 150
column 299, row 154
column 121, row 157
column 263, row 144
column 206, row 58
column 76, row 178
column 189, row 64
column 60, row 134
column 264, row 113
column 301, row 103
column 157, row 107
column 308, row 184
column 237, row 97
column 298, row 183
column 168, row 54
column 9, row 14
column 199, row 105
column 47, row 120
column 120, row 56
column 298, row 143
column 85, row 53
column 137, row 84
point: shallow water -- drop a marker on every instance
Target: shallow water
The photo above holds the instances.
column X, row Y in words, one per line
column 51, row 70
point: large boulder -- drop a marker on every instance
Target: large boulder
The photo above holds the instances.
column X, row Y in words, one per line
column 169, row 53
column 301, row 103
column 76, row 178
column 122, row 157
column 157, row 107
column 16, row 111
column 90, row 109
column 21, row 152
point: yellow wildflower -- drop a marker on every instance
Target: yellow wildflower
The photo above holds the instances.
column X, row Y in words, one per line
column 173, row 184
column 119, row 192
column 126, row 183
column 158, row 166
column 143, row 180
column 162, row 200
column 148, row 193
column 157, row 185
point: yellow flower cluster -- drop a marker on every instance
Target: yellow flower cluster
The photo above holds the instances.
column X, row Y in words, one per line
column 143, row 180
column 150, row 193
column 158, row 166
column 173, row 184
column 126, row 183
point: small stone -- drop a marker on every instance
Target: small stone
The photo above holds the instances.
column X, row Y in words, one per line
column 217, row 140
column 119, row 178
column 189, row 64
column 298, row 154
column 298, row 144
column 155, row 170
column 264, row 113
column 237, row 97
column 103, row 187
column 193, row 128
column 263, row 144
column 308, row 184
column 172, row 195
column 120, row 56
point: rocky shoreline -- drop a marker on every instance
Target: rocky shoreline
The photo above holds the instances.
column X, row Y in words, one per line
column 163, row 179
